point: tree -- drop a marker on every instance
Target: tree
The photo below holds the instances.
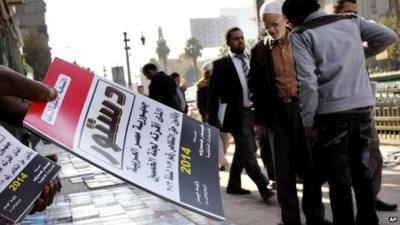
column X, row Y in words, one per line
column 393, row 52
column 162, row 49
column 391, row 22
column 193, row 50
column 37, row 54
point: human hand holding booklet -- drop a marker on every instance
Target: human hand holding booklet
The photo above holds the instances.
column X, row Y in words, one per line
column 131, row 136
column 23, row 175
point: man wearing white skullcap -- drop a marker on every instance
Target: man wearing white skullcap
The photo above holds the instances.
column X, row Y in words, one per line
column 274, row 87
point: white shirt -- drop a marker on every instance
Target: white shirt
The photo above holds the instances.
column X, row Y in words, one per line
column 242, row 77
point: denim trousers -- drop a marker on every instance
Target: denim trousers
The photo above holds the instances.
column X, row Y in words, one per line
column 345, row 140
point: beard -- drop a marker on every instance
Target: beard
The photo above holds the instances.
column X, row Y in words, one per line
column 277, row 36
column 238, row 50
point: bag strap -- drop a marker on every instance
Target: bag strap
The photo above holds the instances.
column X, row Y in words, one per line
column 321, row 21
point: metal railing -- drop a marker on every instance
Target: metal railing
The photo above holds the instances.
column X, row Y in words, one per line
column 387, row 115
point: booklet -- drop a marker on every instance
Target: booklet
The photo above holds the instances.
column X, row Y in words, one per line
column 23, row 175
column 131, row 136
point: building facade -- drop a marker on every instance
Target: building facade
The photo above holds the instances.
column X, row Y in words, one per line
column 210, row 31
column 31, row 18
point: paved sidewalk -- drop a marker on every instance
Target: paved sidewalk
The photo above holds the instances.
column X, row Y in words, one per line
column 250, row 210
column 92, row 197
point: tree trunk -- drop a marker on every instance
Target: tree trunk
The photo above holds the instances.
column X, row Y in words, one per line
column 195, row 63
column 165, row 65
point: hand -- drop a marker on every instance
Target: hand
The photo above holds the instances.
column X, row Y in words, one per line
column 311, row 136
column 47, row 196
column 183, row 87
column 14, row 89
column 259, row 131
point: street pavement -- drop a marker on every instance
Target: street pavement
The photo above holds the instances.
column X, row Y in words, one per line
column 90, row 196
column 249, row 209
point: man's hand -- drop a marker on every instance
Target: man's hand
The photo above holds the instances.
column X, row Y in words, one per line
column 14, row 89
column 183, row 87
column 259, row 131
column 311, row 135
column 47, row 196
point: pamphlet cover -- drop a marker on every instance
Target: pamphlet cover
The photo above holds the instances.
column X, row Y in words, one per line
column 23, row 174
column 133, row 137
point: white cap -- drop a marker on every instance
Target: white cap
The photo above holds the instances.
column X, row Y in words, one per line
column 271, row 6
column 207, row 66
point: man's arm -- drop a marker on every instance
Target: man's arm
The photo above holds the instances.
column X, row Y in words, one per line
column 377, row 37
column 171, row 93
column 256, row 83
column 304, row 65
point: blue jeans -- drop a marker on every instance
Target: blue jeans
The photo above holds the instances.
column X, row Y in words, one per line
column 344, row 139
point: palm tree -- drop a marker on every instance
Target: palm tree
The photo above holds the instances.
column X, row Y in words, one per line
column 163, row 52
column 193, row 50
column 162, row 49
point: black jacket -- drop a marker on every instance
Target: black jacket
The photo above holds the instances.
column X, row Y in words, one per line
column 262, row 84
column 202, row 101
column 225, row 87
column 163, row 89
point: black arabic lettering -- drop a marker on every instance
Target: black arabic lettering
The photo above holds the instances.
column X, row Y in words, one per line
column 111, row 116
column 9, row 158
column 154, row 149
column 110, row 91
column 137, row 139
column 4, row 149
column 171, row 156
column 153, row 166
column 159, row 115
column 173, row 130
column 17, row 151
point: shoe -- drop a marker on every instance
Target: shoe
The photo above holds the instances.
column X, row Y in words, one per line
column 384, row 206
column 237, row 191
column 266, row 194
column 272, row 185
column 222, row 168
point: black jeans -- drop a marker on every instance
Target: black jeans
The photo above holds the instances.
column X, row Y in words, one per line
column 344, row 139
column 293, row 158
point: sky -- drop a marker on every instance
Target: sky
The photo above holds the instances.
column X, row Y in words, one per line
column 90, row 32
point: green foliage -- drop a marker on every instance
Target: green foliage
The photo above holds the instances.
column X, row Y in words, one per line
column 391, row 21
column 37, row 54
column 193, row 50
column 162, row 48
column 163, row 51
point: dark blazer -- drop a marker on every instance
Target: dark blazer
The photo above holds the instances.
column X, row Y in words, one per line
column 202, row 101
column 163, row 89
column 262, row 84
column 225, row 87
